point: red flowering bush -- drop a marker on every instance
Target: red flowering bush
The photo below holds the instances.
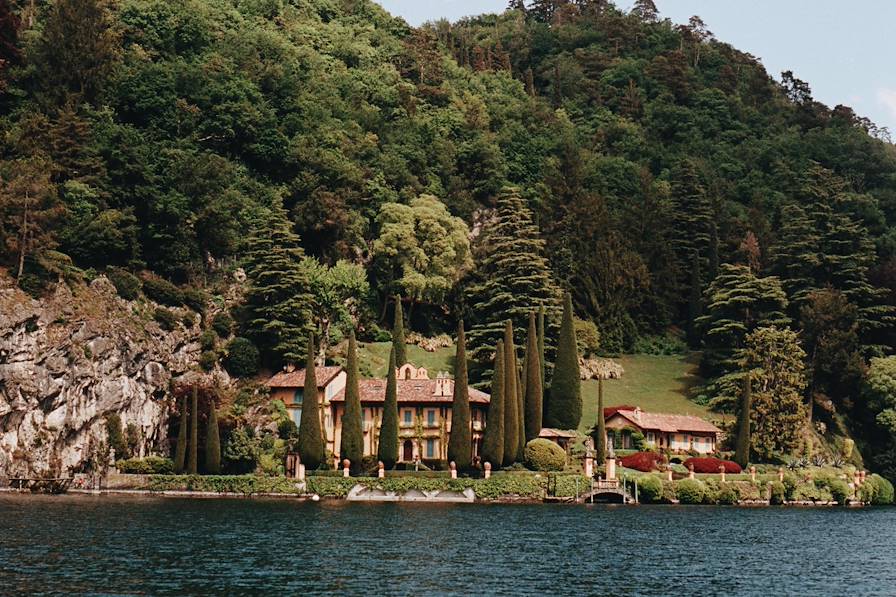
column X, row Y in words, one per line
column 642, row 461
column 711, row 465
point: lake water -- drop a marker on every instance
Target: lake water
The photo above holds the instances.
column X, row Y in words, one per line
column 157, row 546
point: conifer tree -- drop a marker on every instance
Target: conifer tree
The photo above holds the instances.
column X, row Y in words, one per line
column 398, row 342
column 795, row 257
column 534, row 393
column 520, row 411
column 212, row 442
column 564, row 406
column 692, row 216
column 352, row 441
column 180, row 454
column 493, row 439
column 278, row 299
column 512, row 276
column 193, row 458
column 511, row 416
column 742, row 451
column 541, row 358
column 387, row 450
column 310, row 441
column 460, row 442
column 600, row 445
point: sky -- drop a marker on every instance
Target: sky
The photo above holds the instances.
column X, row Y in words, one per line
column 842, row 48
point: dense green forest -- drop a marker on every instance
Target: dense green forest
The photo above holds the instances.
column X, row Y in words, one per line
column 477, row 169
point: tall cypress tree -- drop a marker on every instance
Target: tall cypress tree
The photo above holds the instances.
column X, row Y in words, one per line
column 534, row 393
column 460, row 443
column 212, row 442
column 352, row 442
column 520, row 411
column 401, row 354
column 193, row 458
column 564, row 407
column 493, row 439
column 387, row 450
column 600, row 445
column 311, row 442
column 511, row 277
column 180, row 454
column 742, row 450
column 695, row 302
column 541, row 359
column 511, row 423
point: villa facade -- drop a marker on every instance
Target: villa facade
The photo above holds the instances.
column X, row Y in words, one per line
column 677, row 433
column 424, row 409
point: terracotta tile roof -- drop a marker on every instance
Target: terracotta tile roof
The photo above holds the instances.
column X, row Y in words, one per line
column 409, row 390
column 296, row 379
column 547, row 432
column 664, row 422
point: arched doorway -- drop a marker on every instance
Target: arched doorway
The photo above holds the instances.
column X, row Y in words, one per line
column 407, row 450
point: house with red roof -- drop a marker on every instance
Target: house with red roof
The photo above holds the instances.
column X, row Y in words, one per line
column 424, row 409
column 678, row 433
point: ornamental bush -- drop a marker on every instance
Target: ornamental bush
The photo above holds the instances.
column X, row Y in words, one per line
column 642, row 461
column 151, row 465
column 727, row 494
column 777, row 493
column 127, row 285
column 242, row 358
column 544, row 455
column 690, row 491
column 711, row 465
column 650, row 489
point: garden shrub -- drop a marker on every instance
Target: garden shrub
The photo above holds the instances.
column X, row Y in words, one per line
column 650, row 489
column 839, row 491
column 727, row 494
column 642, row 461
column 242, row 358
column 690, row 491
column 222, row 324
column 245, row 484
column 777, row 493
column 127, row 285
column 746, row 490
column 711, row 465
column 790, row 484
column 166, row 319
column 151, row 465
column 162, row 291
column 544, row 455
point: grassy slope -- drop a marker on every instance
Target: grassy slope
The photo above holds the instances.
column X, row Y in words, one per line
column 655, row 383
column 373, row 359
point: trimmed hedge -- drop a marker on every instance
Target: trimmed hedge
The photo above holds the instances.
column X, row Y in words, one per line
column 650, row 489
column 690, row 491
column 151, row 465
column 711, row 465
column 544, row 455
column 642, row 461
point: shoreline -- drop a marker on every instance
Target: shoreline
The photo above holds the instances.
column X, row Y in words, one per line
column 510, row 499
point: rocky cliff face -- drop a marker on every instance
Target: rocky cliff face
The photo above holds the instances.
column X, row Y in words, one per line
column 68, row 361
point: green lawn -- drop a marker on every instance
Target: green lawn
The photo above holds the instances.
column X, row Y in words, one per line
column 373, row 359
column 655, row 383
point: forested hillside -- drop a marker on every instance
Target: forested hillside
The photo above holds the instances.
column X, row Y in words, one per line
column 477, row 169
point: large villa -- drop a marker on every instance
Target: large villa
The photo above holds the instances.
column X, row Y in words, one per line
column 424, row 409
column 424, row 415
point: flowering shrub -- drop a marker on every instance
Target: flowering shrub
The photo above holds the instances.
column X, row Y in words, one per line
column 711, row 465
column 642, row 461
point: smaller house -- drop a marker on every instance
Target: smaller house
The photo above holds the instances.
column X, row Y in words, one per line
column 558, row 436
column 678, row 433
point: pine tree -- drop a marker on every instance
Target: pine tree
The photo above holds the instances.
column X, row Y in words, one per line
column 193, row 458
column 278, row 299
column 564, row 406
column 692, row 223
column 352, row 441
column 460, row 442
column 493, row 439
column 646, row 10
column 795, row 257
column 398, row 342
column 534, row 392
column 387, row 450
column 511, row 278
column 600, row 445
column 511, row 416
column 212, row 442
column 310, row 442
column 180, row 454
column 742, row 452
